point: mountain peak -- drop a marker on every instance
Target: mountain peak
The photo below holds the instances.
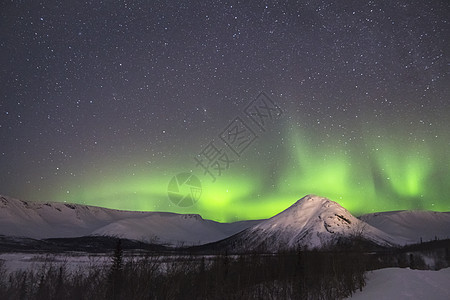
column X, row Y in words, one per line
column 312, row 222
column 313, row 200
column 308, row 208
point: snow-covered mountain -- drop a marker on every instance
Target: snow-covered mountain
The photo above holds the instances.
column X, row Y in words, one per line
column 51, row 220
column 173, row 229
column 312, row 222
column 412, row 226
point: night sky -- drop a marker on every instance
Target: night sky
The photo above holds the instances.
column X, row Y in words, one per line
column 103, row 102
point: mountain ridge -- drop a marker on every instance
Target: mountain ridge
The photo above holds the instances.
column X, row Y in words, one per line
column 310, row 222
column 55, row 220
column 403, row 224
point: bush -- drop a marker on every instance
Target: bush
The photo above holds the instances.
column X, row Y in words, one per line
column 298, row 275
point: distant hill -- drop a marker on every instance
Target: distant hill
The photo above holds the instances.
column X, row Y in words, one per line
column 60, row 220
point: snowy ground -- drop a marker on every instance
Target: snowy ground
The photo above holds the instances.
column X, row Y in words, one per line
column 35, row 261
column 81, row 261
column 396, row 283
column 389, row 283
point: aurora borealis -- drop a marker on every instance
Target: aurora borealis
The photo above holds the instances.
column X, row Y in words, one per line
column 103, row 103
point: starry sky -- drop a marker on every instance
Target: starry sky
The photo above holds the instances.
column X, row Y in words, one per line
column 104, row 102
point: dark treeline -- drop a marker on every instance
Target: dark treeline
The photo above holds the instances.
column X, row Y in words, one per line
column 433, row 255
column 301, row 275
column 332, row 274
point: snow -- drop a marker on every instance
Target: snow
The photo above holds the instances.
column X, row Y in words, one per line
column 411, row 226
column 172, row 229
column 312, row 222
column 51, row 220
column 396, row 283
column 82, row 261
column 35, row 261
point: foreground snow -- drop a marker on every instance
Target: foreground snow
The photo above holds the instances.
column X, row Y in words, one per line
column 396, row 283
column 18, row 261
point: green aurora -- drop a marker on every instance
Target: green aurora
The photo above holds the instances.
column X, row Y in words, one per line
column 369, row 175
column 104, row 102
